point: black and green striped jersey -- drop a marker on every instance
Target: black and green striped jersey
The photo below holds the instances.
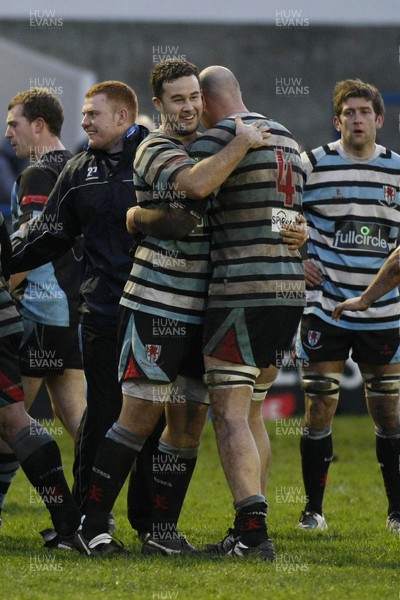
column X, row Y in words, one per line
column 169, row 278
column 251, row 266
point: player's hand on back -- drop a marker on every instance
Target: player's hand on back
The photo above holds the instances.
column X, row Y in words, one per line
column 256, row 133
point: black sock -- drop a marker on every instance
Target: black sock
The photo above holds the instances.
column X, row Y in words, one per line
column 141, row 483
column 172, row 470
column 113, row 463
column 44, row 470
column 8, row 467
column 388, row 455
column 250, row 523
column 316, row 456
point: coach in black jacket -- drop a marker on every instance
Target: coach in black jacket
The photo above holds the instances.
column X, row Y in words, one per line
column 91, row 197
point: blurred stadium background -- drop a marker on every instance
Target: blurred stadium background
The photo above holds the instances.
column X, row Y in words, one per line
column 287, row 55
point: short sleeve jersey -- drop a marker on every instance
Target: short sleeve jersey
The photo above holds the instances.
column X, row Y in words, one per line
column 168, row 277
column 251, row 266
column 352, row 208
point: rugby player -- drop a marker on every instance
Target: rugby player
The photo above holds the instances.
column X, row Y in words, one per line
column 167, row 284
column 351, row 202
column 256, row 298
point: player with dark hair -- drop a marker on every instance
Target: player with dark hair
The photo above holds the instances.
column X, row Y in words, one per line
column 355, row 88
column 39, row 103
column 351, row 202
column 168, row 281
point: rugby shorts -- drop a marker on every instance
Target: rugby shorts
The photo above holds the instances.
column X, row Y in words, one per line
column 48, row 349
column 254, row 336
column 157, row 348
column 318, row 341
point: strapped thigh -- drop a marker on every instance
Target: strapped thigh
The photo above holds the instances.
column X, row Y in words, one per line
column 322, row 384
column 381, row 385
column 231, row 376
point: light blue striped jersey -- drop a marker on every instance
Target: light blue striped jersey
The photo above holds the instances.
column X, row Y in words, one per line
column 169, row 278
column 250, row 264
column 49, row 294
column 352, row 208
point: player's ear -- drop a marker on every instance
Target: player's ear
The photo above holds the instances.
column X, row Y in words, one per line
column 379, row 121
column 122, row 116
column 39, row 124
column 157, row 103
column 336, row 123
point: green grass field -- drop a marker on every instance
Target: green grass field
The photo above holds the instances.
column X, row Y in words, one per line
column 356, row 558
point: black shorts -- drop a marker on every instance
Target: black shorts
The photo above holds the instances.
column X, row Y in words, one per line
column 254, row 336
column 48, row 349
column 157, row 348
column 10, row 377
column 319, row 341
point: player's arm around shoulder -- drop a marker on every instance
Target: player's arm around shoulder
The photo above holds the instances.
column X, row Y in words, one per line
column 201, row 179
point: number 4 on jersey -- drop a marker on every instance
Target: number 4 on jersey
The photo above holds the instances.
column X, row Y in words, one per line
column 284, row 183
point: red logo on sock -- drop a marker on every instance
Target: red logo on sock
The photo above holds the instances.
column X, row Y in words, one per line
column 161, row 502
column 95, row 493
column 324, row 479
column 253, row 523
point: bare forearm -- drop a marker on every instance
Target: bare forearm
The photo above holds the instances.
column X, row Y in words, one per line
column 204, row 177
column 387, row 279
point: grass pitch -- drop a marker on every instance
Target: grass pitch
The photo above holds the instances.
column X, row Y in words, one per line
column 356, row 558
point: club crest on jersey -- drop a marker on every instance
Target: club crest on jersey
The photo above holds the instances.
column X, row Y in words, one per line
column 153, row 352
column 389, row 194
column 313, row 337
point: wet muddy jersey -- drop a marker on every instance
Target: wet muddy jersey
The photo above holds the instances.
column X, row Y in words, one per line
column 168, row 277
column 251, row 266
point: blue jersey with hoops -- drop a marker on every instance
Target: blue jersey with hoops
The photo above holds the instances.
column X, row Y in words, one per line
column 352, row 209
